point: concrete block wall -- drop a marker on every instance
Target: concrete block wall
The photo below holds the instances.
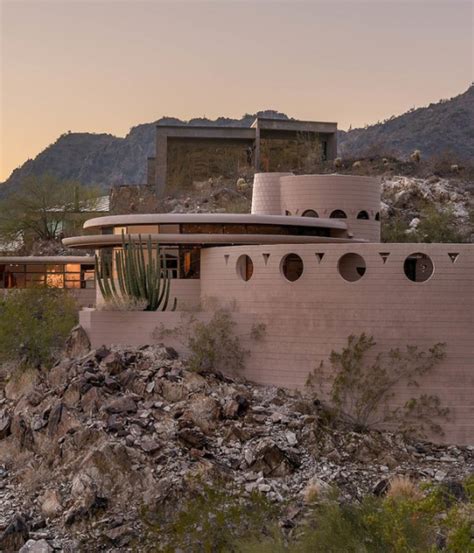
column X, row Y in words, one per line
column 308, row 318
column 266, row 198
column 283, row 193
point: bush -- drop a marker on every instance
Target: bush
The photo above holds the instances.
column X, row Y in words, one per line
column 34, row 324
column 389, row 525
column 213, row 346
column 360, row 390
column 211, row 519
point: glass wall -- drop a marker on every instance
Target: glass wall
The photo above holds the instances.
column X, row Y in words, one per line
column 70, row 275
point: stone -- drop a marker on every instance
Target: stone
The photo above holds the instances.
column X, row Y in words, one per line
column 78, row 343
column 5, row 423
column 91, row 401
column 271, row 460
column 113, row 363
column 149, row 445
column 192, row 437
column 291, row 438
column 51, row 504
column 124, row 404
column 36, row 546
column 204, row 411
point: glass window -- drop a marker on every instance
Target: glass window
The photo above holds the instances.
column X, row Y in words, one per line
column 292, row 267
column 310, row 213
column 338, row 214
column 245, row 267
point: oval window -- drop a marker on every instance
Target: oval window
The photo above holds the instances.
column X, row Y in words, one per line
column 363, row 215
column 245, row 267
column 310, row 213
column 292, row 267
column 351, row 267
column 418, row 267
column 338, row 214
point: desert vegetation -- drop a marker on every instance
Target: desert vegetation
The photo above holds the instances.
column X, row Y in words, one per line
column 34, row 324
column 360, row 385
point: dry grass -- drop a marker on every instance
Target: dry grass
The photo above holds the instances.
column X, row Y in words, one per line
column 402, row 487
column 314, row 490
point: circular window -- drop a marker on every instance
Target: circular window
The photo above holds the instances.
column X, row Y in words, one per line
column 245, row 267
column 377, row 216
column 338, row 214
column 292, row 267
column 351, row 267
column 363, row 215
column 310, row 213
column 418, row 267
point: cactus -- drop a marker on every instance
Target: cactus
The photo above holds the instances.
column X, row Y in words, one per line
column 137, row 280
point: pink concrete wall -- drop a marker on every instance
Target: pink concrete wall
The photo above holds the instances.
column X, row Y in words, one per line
column 277, row 193
column 266, row 194
column 325, row 193
column 308, row 318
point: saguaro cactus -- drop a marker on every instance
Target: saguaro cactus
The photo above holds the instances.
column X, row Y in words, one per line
column 146, row 282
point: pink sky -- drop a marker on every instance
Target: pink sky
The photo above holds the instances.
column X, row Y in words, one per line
column 107, row 65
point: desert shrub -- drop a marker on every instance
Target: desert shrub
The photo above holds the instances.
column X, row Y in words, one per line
column 394, row 229
column 394, row 524
column 438, row 226
column 214, row 345
column 360, row 390
column 34, row 324
column 435, row 226
column 210, row 520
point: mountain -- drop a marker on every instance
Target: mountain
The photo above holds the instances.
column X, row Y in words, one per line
column 446, row 127
column 104, row 159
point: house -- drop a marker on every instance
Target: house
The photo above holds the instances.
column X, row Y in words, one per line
column 308, row 264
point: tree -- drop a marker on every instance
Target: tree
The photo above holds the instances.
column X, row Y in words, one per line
column 42, row 206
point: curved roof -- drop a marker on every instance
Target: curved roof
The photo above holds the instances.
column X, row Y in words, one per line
column 175, row 218
column 109, row 240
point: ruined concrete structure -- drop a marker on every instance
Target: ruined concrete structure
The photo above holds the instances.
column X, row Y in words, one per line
column 308, row 263
column 248, row 144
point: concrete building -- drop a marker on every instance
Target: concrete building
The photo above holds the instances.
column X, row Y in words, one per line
column 309, row 265
column 246, row 140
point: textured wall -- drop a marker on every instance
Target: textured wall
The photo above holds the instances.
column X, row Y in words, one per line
column 277, row 193
column 308, row 318
column 266, row 194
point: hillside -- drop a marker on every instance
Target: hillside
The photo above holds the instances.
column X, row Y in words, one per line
column 446, row 127
column 105, row 160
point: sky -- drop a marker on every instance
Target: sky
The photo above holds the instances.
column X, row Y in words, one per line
column 108, row 65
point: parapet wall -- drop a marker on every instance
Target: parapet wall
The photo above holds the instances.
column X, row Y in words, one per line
column 326, row 196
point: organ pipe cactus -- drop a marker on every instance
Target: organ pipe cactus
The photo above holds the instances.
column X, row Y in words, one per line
column 138, row 280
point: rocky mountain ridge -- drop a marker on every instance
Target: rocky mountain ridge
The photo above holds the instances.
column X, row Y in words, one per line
column 110, row 432
column 444, row 128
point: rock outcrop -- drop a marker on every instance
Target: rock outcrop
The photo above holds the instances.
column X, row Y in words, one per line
column 109, row 433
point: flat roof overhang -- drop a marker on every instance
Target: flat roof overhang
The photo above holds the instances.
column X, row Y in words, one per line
column 53, row 259
column 217, row 218
column 110, row 240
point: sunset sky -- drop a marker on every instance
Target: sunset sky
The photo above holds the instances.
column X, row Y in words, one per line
column 104, row 66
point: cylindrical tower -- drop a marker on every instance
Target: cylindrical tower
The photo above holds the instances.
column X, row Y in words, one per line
column 266, row 194
column 355, row 199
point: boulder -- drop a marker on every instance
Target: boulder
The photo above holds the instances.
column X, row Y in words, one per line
column 51, row 504
column 113, row 363
column 36, row 546
column 78, row 343
column 271, row 460
column 124, row 404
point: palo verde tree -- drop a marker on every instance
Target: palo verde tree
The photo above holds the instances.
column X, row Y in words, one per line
column 40, row 207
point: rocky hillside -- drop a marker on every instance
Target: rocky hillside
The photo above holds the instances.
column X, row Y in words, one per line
column 108, row 437
column 443, row 128
column 105, row 160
